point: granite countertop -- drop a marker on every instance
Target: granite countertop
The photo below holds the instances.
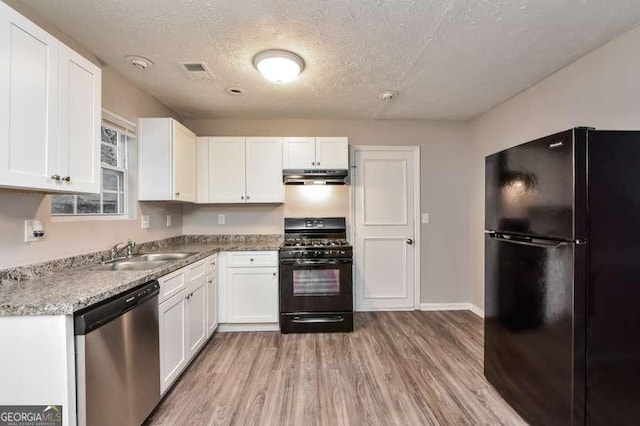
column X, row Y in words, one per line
column 68, row 291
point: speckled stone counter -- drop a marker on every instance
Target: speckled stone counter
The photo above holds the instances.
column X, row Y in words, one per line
column 73, row 287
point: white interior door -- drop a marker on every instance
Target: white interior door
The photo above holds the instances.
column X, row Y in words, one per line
column 385, row 212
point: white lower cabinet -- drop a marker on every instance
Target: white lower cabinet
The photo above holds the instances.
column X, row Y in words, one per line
column 253, row 295
column 173, row 338
column 184, row 319
column 248, row 291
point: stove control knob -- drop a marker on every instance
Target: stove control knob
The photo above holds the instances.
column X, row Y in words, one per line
column 318, row 253
column 343, row 252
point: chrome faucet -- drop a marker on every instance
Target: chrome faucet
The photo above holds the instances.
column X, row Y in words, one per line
column 116, row 249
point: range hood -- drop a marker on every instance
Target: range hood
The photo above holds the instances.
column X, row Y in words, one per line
column 316, row 177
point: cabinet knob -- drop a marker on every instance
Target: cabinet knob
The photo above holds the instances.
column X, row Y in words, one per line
column 247, row 197
column 274, row 274
column 251, row 259
column 242, row 197
column 55, row 177
column 318, row 163
column 177, row 194
column 313, row 163
column 67, row 178
column 210, row 281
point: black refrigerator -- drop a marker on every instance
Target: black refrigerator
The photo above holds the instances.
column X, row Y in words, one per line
column 562, row 277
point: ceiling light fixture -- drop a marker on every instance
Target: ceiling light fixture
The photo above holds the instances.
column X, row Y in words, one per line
column 278, row 66
column 139, row 62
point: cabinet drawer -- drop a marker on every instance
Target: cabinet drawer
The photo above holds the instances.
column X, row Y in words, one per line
column 172, row 284
column 211, row 263
column 197, row 270
column 252, row 258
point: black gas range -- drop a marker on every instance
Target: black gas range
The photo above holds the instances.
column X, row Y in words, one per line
column 316, row 286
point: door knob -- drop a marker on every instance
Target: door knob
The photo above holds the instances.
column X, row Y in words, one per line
column 409, row 241
column 55, row 177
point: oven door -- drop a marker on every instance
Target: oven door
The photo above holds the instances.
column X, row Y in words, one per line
column 318, row 285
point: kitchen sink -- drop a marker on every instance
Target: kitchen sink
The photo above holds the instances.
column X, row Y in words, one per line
column 159, row 257
column 129, row 265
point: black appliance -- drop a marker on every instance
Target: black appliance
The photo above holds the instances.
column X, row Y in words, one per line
column 316, row 286
column 562, row 277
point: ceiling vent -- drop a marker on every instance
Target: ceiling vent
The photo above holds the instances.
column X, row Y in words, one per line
column 197, row 70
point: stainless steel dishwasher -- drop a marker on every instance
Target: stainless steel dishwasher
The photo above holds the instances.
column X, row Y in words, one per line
column 118, row 358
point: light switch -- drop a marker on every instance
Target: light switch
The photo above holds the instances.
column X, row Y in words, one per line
column 145, row 221
column 168, row 220
column 222, row 219
column 425, row 217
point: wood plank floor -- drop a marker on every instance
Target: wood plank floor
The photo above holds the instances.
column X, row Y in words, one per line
column 397, row 368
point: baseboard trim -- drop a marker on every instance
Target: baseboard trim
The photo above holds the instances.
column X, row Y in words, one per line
column 452, row 307
column 233, row 328
column 385, row 309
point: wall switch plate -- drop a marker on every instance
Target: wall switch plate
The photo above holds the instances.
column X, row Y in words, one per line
column 169, row 220
column 222, row 219
column 33, row 230
column 425, row 217
column 145, row 221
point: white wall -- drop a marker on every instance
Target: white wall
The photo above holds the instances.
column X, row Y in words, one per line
column 122, row 97
column 599, row 90
column 445, row 149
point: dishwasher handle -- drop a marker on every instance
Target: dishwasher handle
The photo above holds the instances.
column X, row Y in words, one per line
column 97, row 315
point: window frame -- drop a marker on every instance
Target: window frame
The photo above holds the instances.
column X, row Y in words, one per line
column 127, row 131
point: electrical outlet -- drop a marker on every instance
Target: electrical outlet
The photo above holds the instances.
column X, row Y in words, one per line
column 33, row 230
column 425, row 217
column 169, row 220
column 145, row 221
column 222, row 219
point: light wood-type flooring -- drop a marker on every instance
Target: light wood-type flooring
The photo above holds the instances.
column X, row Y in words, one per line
column 397, row 368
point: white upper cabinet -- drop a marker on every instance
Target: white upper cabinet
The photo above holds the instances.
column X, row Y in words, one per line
column 299, row 153
column 264, row 170
column 332, row 153
column 241, row 170
column 227, row 170
column 49, row 111
column 167, row 162
column 315, row 153
column 80, row 121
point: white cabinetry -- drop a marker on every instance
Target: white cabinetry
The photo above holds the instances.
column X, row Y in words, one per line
column 240, row 170
column 315, row 153
column 167, row 161
column 248, row 290
column 50, row 99
column 184, row 318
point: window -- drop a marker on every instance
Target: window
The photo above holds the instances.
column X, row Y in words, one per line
column 117, row 140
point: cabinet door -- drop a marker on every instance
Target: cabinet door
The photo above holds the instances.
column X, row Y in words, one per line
column 173, row 339
column 264, row 170
column 226, row 170
column 252, row 295
column 202, row 164
column 196, row 316
column 212, row 303
column 80, row 119
column 184, row 163
column 28, row 103
column 299, row 152
column 332, row 153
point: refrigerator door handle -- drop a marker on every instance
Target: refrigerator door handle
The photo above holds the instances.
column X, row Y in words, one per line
column 528, row 241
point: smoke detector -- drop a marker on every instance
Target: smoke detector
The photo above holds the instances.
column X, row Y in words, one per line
column 139, row 62
column 197, row 70
column 387, row 95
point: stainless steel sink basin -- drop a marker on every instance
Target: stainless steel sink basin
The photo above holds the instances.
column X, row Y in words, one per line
column 159, row 256
column 128, row 265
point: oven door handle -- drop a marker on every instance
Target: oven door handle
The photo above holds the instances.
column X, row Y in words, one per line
column 299, row 320
column 316, row 262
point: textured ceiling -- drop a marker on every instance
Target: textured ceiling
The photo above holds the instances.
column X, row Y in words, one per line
column 449, row 59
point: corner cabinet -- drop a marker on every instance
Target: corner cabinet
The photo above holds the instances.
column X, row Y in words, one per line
column 50, row 111
column 240, row 170
column 300, row 153
column 167, row 161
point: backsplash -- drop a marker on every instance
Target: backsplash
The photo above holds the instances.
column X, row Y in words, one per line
column 35, row 270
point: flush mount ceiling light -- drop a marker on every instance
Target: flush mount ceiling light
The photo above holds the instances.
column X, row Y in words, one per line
column 278, row 66
column 139, row 62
